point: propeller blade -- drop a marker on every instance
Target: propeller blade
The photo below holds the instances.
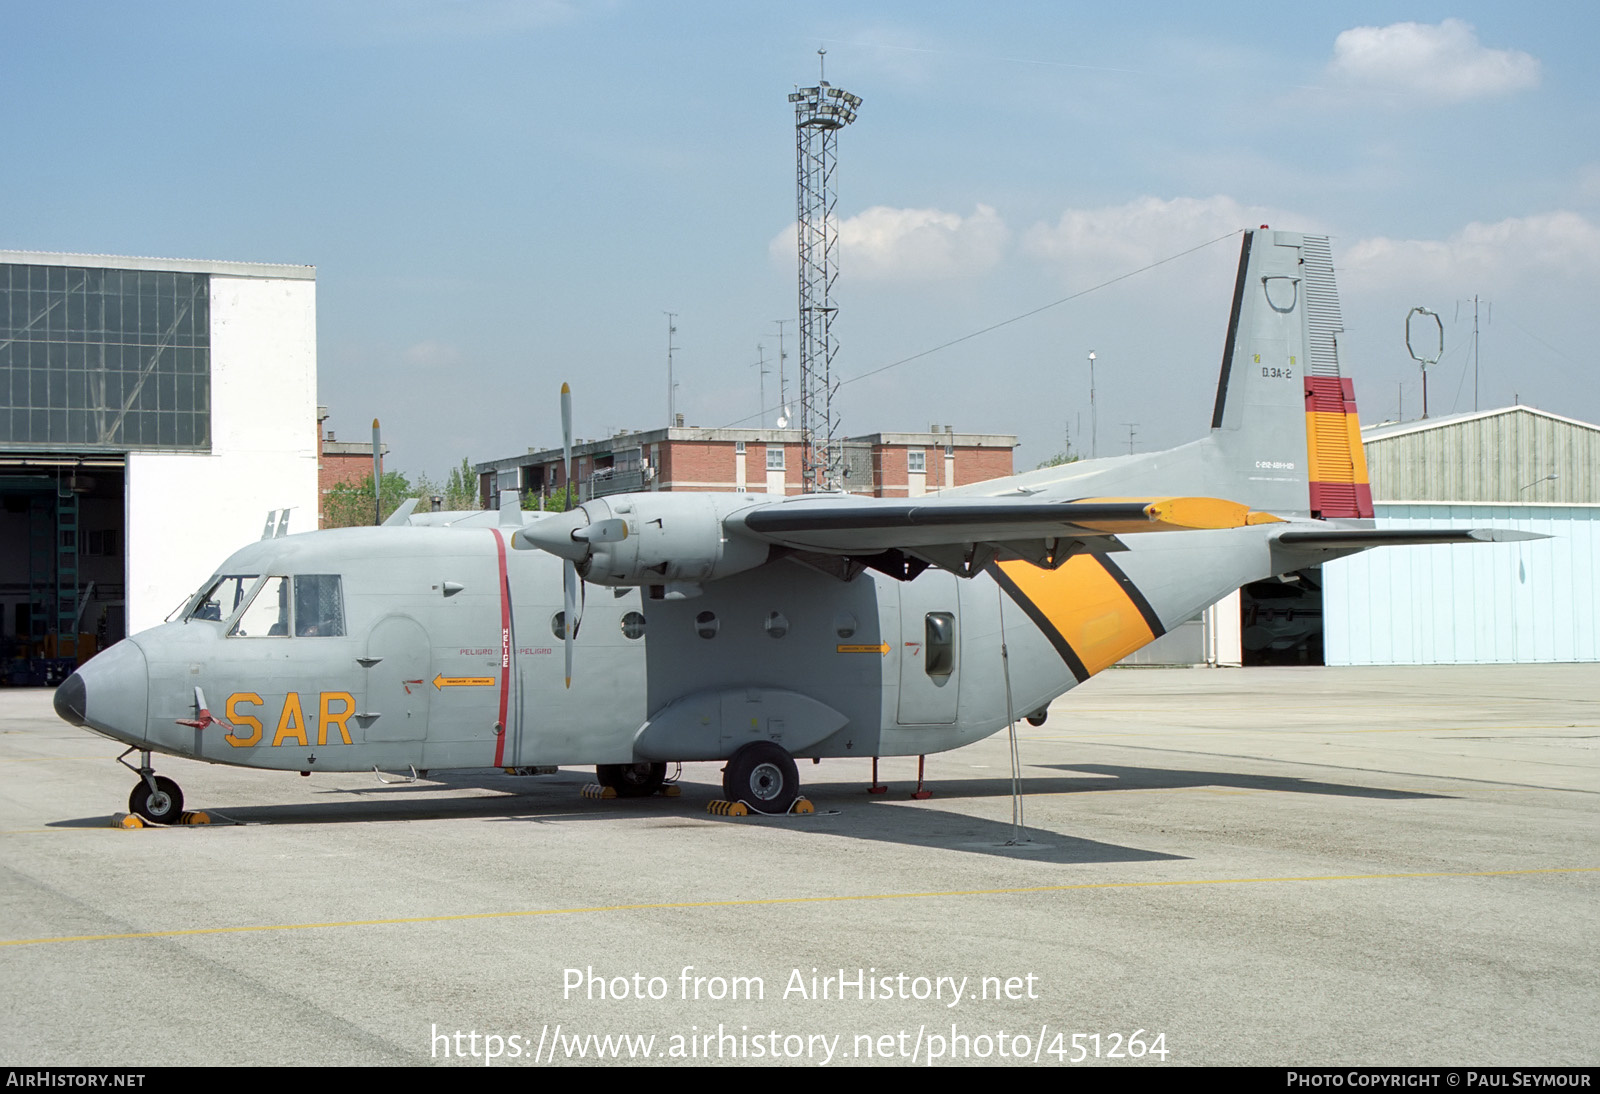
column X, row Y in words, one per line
column 569, row 631
column 566, row 439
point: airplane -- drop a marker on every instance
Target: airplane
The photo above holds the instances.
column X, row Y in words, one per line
column 755, row 629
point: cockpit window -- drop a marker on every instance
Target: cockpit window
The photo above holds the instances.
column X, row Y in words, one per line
column 268, row 613
column 318, row 605
column 222, row 597
column 317, row 601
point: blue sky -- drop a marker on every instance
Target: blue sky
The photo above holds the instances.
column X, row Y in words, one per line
column 502, row 196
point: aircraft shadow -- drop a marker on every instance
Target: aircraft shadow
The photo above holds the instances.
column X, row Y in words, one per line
column 843, row 807
column 1158, row 778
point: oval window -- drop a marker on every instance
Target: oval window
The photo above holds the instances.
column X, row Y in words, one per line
column 558, row 625
column 633, row 625
column 844, row 625
column 706, row 624
column 777, row 625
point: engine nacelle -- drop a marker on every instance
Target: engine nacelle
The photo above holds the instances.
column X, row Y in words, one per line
column 670, row 538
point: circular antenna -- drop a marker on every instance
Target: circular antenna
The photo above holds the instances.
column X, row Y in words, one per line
column 783, row 423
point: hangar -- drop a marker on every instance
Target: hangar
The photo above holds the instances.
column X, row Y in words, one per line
column 1515, row 467
column 151, row 410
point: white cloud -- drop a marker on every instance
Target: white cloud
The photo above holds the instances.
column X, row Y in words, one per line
column 1589, row 182
column 1114, row 239
column 1443, row 63
column 1557, row 248
column 432, row 354
column 887, row 244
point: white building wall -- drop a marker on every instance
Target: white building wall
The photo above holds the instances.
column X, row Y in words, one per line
column 187, row 512
column 1470, row 604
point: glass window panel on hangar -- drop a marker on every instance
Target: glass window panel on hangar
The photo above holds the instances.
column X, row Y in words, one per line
column 96, row 340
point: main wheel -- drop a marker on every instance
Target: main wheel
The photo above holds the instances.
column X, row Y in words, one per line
column 632, row 780
column 763, row 776
column 1037, row 717
column 163, row 805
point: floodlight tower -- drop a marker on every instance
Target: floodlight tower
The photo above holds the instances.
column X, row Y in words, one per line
column 819, row 113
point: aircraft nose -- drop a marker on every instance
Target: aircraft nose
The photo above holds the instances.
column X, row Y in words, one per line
column 70, row 700
column 109, row 694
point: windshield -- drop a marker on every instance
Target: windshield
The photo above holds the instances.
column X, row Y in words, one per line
column 222, row 597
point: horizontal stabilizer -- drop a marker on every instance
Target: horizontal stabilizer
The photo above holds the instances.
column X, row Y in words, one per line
column 839, row 525
column 1360, row 539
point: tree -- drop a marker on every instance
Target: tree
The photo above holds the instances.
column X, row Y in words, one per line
column 461, row 490
column 350, row 505
column 561, row 500
column 1065, row 456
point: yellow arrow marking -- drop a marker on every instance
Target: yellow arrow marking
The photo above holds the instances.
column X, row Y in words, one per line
column 441, row 682
column 883, row 649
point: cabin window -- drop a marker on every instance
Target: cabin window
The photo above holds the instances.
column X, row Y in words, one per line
column 267, row 616
column 777, row 624
column 318, row 605
column 844, row 625
column 633, row 625
column 222, row 597
column 706, row 624
column 558, row 625
column 939, row 644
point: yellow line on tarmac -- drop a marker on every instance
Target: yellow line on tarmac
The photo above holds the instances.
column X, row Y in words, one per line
column 1330, row 728
column 788, row 900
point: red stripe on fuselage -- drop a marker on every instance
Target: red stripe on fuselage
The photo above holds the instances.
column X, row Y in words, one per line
column 505, row 650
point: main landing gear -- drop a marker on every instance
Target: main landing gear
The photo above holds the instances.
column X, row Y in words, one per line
column 631, row 780
column 154, row 797
column 763, row 776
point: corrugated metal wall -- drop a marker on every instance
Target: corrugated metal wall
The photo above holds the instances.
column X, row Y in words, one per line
column 1479, row 604
column 1488, row 458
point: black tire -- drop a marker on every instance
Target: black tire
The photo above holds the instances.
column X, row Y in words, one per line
column 1037, row 717
column 763, row 776
column 632, row 780
column 164, row 805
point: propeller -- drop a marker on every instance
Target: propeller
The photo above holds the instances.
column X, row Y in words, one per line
column 571, row 586
column 570, row 536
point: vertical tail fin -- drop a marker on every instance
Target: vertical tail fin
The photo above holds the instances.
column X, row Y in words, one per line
column 1284, row 417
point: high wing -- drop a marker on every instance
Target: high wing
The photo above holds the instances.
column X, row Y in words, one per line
column 834, row 523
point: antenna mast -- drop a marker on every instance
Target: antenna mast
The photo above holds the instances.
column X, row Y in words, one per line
column 672, row 388
column 783, row 382
column 819, row 113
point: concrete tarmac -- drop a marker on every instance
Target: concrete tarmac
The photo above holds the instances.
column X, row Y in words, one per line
column 1264, row 866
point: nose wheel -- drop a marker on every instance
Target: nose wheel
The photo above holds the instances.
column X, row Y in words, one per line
column 162, row 804
column 155, row 797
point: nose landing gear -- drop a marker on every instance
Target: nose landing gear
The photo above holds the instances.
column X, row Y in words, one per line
column 155, row 797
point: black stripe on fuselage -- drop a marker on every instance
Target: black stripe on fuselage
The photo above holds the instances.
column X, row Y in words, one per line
column 1040, row 620
column 1151, row 620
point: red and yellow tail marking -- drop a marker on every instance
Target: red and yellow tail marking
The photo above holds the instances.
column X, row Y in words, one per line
column 1088, row 609
column 1335, row 459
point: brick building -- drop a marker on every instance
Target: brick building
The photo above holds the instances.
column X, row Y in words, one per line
column 885, row 465
column 339, row 462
